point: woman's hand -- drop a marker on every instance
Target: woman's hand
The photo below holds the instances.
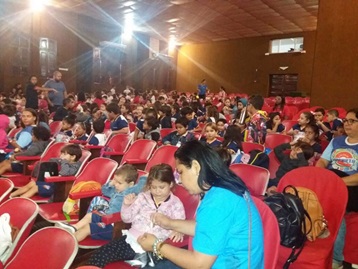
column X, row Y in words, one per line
column 54, row 90
column 129, row 199
column 146, row 241
column 161, row 220
column 176, row 237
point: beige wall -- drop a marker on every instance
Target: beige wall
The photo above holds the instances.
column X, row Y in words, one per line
column 241, row 66
column 335, row 72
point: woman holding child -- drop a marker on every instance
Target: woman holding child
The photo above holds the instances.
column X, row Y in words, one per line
column 217, row 242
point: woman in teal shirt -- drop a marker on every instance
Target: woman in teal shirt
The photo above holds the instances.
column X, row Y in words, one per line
column 227, row 230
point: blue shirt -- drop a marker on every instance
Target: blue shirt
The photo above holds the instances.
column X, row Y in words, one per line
column 139, row 125
column 193, row 123
column 214, row 144
column 222, row 230
column 119, row 123
column 24, row 138
column 342, row 155
column 202, row 89
column 56, row 98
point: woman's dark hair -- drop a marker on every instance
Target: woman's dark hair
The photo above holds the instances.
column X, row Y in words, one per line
column 354, row 110
column 73, row 149
column 233, row 134
column 213, row 172
column 282, row 104
column 152, row 122
column 224, row 155
column 42, row 116
column 41, row 133
column 162, row 172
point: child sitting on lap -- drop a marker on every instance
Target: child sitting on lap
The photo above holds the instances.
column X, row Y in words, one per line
column 121, row 185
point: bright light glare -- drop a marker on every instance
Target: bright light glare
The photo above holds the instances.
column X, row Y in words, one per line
column 38, row 5
column 128, row 26
column 172, row 43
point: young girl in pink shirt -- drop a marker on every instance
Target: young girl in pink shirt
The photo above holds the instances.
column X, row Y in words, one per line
column 138, row 210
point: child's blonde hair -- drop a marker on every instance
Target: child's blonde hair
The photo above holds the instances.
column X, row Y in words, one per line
column 212, row 125
column 128, row 171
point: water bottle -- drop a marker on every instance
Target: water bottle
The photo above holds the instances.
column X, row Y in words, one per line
column 243, row 115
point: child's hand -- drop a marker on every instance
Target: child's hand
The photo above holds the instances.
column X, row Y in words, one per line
column 161, row 220
column 295, row 132
column 298, row 150
column 176, row 237
column 129, row 199
column 271, row 191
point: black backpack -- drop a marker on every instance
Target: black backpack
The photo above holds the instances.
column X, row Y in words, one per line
column 259, row 158
column 290, row 214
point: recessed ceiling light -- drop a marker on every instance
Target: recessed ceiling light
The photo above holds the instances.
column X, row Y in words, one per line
column 128, row 3
column 173, row 20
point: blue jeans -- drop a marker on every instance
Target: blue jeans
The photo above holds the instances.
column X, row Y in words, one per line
column 339, row 243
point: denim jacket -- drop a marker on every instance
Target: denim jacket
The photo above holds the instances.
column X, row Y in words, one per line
column 116, row 198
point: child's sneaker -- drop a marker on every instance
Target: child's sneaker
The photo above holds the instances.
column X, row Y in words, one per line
column 66, row 226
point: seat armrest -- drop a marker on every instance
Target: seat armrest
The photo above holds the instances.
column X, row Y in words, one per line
column 81, row 142
column 113, row 153
column 60, row 178
column 27, row 158
column 136, row 161
column 85, row 194
column 93, row 147
column 111, row 218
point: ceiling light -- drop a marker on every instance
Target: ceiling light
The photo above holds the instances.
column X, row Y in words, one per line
column 172, row 42
column 38, row 5
column 128, row 3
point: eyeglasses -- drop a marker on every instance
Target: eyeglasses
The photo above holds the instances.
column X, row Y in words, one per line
column 349, row 121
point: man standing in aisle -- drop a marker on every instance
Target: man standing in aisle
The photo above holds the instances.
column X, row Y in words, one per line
column 55, row 99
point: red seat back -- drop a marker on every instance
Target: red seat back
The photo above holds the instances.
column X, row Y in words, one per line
column 141, row 150
column 99, row 170
column 164, row 154
column 55, row 127
column 13, row 132
column 6, row 187
column 273, row 140
column 288, row 124
column 23, row 213
column 131, row 126
column 165, row 131
column 53, row 151
column 39, row 250
column 256, row 178
column 248, row 146
column 271, row 234
column 333, row 196
column 273, row 164
column 189, row 201
column 119, row 142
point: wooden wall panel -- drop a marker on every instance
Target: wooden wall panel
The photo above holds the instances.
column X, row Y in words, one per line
column 335, row 71
column 241, row 65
